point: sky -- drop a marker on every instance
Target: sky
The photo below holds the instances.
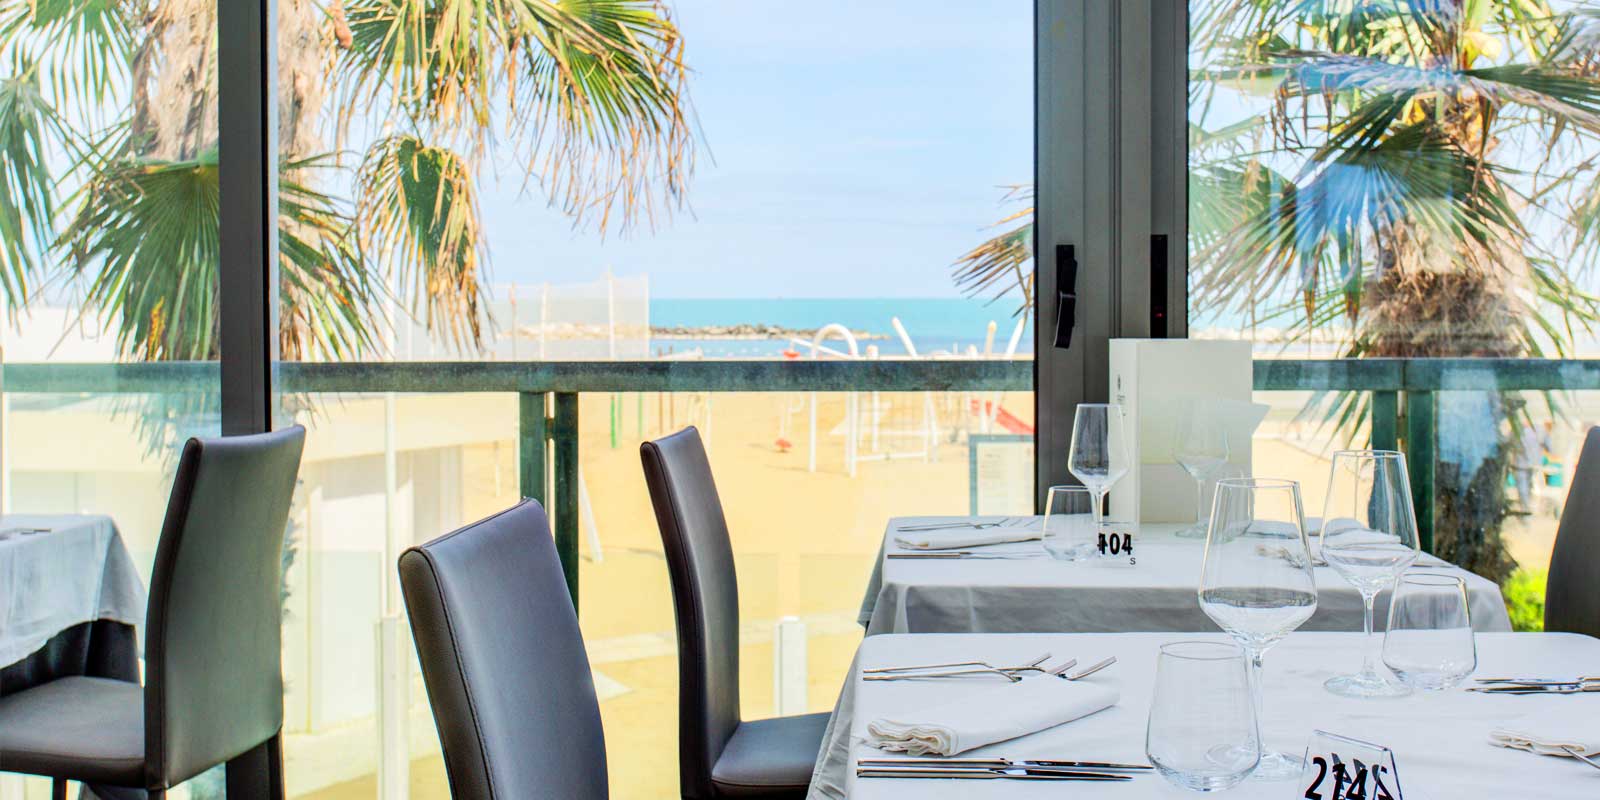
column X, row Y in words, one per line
column 851, row 149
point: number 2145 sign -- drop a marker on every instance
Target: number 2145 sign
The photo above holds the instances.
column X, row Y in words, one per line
column 1341, row 768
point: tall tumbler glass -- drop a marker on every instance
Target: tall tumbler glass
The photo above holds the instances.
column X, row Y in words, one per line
column 1202, row 734
column 1069, row 530
column 1429, row 642
column 1256, row 582
column 1369, row 536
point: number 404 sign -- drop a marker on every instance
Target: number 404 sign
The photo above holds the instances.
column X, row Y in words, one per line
column 1341, row 768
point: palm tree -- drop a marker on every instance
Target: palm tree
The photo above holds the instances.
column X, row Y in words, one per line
column 109, row 171
column 1386, row 194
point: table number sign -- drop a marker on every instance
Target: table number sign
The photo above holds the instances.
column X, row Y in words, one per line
column 1341, row 768
column 1116, row 542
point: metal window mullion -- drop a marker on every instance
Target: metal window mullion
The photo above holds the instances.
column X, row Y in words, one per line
column 247, row 142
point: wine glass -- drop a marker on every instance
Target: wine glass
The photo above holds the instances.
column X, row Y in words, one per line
column 1369, row 535
column 1201, row 448
column 1069, row 533
column 1256, row 582
column 1428, row 642
column 1202, row 734
column 1099, row 453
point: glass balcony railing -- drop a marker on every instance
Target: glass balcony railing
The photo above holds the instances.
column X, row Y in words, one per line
column 401, row 451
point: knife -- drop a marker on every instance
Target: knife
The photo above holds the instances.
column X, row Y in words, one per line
column 992, row 773
column 995, row 763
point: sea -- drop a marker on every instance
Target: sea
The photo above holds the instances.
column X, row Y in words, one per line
column 934, row 325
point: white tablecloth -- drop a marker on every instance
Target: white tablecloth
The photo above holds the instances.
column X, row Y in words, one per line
column 77, row 571
column 1440, row 739
column 1042, row 595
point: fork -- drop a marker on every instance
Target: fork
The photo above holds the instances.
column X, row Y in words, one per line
column 917, row 668
column 977, row 668
column 1010, row 673
column 1006, row 522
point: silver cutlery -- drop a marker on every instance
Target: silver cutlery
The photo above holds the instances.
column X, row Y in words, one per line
column 966, row 555
column 1581, row 757
column 1567, row 688
column 980, row 668
column 920, row 667
column 1086, row 671
column 1007, row 522
column 998, row 762
column 1541, row 681
column 990, row 773
column 1009, row 673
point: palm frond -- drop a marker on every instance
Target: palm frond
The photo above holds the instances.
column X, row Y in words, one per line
column 85, row 45
column 1298, row 230
column 144, row 237
column 419, row 218
column 27, row 188
column 325, row 294
column 594, row 92
column 1002, row 263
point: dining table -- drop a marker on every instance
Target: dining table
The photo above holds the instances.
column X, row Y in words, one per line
column 1017, row 588
column 71, row 603
column 1440, row 739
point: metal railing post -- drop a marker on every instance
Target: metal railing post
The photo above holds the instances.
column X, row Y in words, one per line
column 564, row 436
column 1384, row 425
column 533, row 435
column 1421, row 455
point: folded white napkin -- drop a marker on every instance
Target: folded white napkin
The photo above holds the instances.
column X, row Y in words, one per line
column 995, row 714
column 957, row 539
column 1549, row 743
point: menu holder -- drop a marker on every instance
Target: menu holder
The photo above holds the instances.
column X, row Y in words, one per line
column 1341, row 768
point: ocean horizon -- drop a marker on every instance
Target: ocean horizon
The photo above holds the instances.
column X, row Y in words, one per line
column 934, row 324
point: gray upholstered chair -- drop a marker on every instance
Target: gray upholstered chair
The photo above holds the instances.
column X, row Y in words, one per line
column 213, row 691
column 719, row 754
column 504, row 663
column 1572, row 592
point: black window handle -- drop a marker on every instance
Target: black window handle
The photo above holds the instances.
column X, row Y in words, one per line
column 1066, row 294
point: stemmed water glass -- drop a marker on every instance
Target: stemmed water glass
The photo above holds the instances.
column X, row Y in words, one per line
column 1099, row 453
column 1256, row 582
column 1369, row 535
column 1201, row 448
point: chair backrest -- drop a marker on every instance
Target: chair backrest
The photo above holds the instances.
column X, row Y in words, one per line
column 1572, row 599
column 213, row 669
column 705, row 596
column 503, row 661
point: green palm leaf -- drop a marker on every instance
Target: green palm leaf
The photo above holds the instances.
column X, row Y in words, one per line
column 1003, row 262
column 419, row 213
column 143, row 236
column 27, row 189
column 86, row 46
column 593, row 91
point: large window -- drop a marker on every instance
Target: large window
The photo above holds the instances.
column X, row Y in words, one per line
column 1409, row 181
column 766, row 194
column 108, row 256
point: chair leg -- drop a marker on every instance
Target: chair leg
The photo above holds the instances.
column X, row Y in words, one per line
column 258, row 773
column 58, row 789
